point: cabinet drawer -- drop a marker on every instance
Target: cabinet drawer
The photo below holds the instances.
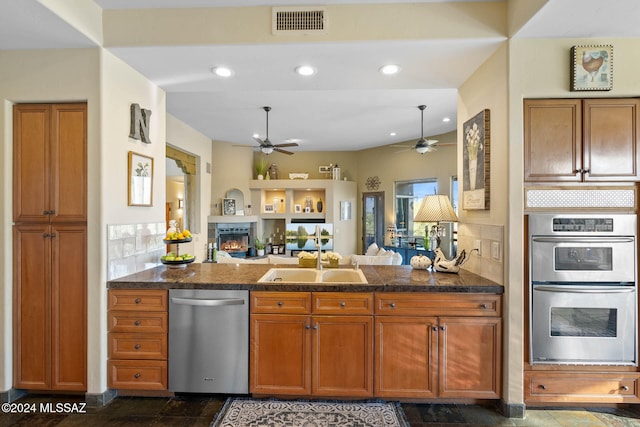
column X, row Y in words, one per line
column 135, row 321
column 342, row 303
column 138, row 374
column 138, row 300
column 581, row 387
column 437, row 304
column 281, row 302
column 137, row 346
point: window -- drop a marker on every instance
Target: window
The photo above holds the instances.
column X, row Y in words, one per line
column 409, row 195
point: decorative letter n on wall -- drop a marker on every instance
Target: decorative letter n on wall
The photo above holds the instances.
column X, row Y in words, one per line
column 140, row 123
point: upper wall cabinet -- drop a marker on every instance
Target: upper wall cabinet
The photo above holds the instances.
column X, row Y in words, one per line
column 50, row 168
column 581, row 140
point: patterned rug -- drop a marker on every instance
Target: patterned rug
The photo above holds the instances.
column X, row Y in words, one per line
column 243, row 412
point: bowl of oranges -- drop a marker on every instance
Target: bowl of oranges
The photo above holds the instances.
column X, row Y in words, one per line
column 177, row 237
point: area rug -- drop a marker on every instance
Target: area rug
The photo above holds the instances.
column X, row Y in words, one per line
column 243, row 412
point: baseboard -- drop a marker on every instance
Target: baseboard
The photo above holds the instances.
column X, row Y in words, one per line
column 11, row 395
column 96, row 400
column 511, row 410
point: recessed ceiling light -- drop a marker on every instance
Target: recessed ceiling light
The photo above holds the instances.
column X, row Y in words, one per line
column 392, row 134
column 305, row 70
column 222, row 71
column 446, row 120
column 390, row 69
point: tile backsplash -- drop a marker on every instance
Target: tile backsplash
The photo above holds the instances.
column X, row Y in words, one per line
column 490, row 262
column 134, row 247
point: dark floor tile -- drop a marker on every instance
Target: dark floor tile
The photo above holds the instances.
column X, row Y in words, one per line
column 40, row 420
column 475, row 414
column 181, row 422
column 536, row 418
column 138, row 406
column 183, row 407
column 576, row 418
column 212, row 407
column 437, row 413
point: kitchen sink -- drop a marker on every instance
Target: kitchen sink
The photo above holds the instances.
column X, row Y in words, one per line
column 303, row 275
column 343, row 276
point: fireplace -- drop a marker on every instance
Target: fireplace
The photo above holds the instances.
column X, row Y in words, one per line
column 233, row 238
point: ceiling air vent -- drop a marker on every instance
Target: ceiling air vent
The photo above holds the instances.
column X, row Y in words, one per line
column 299, row 20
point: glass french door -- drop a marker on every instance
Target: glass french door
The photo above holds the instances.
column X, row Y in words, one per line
column 372, row 219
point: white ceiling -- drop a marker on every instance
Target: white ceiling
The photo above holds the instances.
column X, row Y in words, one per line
column 348, row 105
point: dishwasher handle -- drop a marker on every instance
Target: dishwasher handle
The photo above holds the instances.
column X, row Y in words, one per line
column 214, row 302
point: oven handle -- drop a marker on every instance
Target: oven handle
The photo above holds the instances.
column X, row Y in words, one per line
column 583, row 239
column 589, row 290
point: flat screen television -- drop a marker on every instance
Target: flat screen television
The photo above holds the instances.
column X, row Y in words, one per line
column 302, row 237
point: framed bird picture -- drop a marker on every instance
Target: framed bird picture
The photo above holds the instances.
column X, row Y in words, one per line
column 591, row 67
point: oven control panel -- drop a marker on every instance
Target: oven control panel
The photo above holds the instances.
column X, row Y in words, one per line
column 583, row 225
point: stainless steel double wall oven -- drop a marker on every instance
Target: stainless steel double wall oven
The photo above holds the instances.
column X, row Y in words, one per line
column 583, row 281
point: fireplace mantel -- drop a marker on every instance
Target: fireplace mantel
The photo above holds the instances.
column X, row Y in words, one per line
column 231, row 219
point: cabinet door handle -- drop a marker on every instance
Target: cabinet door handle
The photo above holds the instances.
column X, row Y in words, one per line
column 136, row 375
column 137, row 346
column 343, row 304
column 625, row 388
column 53, row 235
column 137, row 323
column 137, row 301
column 542, row 386
column 45, row 235
column 483, row 306
column 442, row 328
column 280, row 303
column 434, row 328
column 315, row 327
column 392, row 305
column 307, row 326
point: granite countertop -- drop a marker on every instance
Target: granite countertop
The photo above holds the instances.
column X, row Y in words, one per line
column 381, row 278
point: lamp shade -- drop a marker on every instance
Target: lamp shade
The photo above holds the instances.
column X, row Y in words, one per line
column 436, row 208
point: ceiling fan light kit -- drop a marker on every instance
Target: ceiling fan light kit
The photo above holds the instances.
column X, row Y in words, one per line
column 424, row 145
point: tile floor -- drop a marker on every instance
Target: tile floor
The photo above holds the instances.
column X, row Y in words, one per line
column 200, row 410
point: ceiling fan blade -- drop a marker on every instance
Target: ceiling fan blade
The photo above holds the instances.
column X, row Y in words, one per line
column 275, row 148
column 287, row 144
column 259, row 141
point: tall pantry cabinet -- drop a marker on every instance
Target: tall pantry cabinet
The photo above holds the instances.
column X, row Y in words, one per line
column 50, row 246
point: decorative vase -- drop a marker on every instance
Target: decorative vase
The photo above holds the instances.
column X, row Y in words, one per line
column 319, row 205
column 473, row 168
column 260, row 252
column 260, row 177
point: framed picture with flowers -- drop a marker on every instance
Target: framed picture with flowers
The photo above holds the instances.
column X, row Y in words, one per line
column 140, row 180
column 476, row 162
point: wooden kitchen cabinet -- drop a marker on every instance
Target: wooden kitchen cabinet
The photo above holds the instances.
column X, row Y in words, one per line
column 575, row 140
column 437, row 345
column 50, row 246
column 318, row 344
column 50, row 163
column 137, row 339
column 50, row 335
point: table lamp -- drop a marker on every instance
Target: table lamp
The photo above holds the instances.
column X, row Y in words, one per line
column 435, row 208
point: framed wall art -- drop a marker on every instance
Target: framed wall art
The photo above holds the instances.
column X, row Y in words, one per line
column 592, row 67
column 269, row 209
column 228, row 206
column 297, row 208
column 476, row 165
column 140, row 180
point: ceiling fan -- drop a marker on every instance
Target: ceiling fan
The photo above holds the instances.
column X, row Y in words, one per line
column 424, row 145
column 266, row 146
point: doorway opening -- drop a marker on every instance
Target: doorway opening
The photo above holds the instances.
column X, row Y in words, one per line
column 372, row 219
column 182, row 193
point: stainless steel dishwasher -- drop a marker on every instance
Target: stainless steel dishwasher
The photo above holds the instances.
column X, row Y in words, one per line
column 209, row 341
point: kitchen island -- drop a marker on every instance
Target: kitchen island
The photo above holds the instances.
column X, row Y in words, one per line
column 406, row 333
column 380, row 278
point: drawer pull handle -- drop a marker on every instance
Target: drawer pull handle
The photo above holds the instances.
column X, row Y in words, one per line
column 542, row 386
column 392, row 305
column 137, row 301
column 625, row 387
column 137, row 346
column 483, row 306
column 343, row 304
column 136, row 375
column 280, row 303
column 137, row 323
